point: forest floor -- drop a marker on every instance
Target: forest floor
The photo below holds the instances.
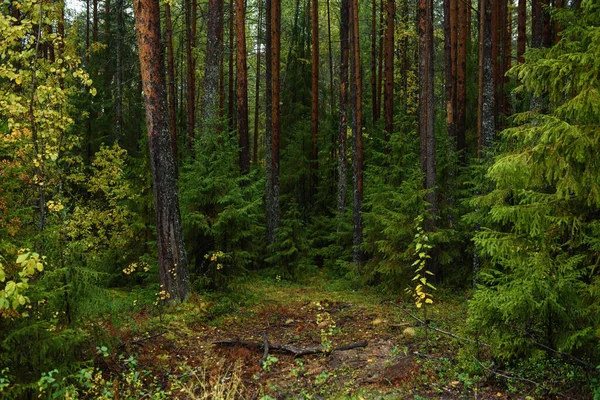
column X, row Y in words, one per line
column 175, row 347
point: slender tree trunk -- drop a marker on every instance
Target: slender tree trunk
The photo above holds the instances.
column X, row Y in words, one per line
column 171, row 81
column 376, row 107
column 450, row 52
column 426, row 110
column 343, row 127
column 521, row 30
column 257, row 94
column 230, row 103
column 119, row 68
column 191, row 69
column 463, row 35
column 273, row 213
column 388, row 96
column 331, row 95
column 314, row 98
column 212, row 67
column 506, row 55
column 242, row 87
column 172, row 260
column 269, row 206
column 485, row 110
column 221, row 82
column 556, row 28
column 95, row 20
column 357, row 150
column 380, row 56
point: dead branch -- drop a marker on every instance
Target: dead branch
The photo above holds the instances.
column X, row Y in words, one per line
column 419, row 320
column 138, row 341
column 266, row 347
column 286, row 348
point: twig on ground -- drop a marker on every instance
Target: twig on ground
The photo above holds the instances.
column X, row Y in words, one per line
column 437, row 329
column 285, row 348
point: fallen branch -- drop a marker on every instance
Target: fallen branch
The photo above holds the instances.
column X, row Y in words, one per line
column 266, row 347
column 286, row 348
column 437, row 329
column 138, row 341
column 560, row 353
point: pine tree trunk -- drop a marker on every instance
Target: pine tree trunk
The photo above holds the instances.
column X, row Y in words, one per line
column 242, row 87
column 521, row 30
column 426, row 110
column 450, row 53
column 314, row 165
column 357, row 150
column 343, row 126
column 212, row 67
column 273, row 213
column 461, row 74
column 172, row 260
column 230, row 97
column 388, row 95
column 485, row 112
column 376, row 106
column 191, row 70
column 171, row 82
column 95, row 20
column 257, row 91
column 380, row 56
column 331, row 95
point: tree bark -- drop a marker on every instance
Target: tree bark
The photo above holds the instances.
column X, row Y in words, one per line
column 426, row 110
column 172, row 260
column 521, row 30
column 212, row 67
column 331, row 95
column 343, row 126
column 376, row 106
column 450, row 52
column 257, row 91
column 463, row 35
column 357, row 149
column 314, row 165
column 388, row 95
column 485, row 110
column 230, row 104
column 171, row 82
column 190, row 41
column 273, row 213
column 242, row 87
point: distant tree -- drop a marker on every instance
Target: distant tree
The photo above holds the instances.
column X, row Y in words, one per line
column 242, row 86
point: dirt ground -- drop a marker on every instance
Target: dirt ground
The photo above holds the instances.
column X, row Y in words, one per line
column 394, row 364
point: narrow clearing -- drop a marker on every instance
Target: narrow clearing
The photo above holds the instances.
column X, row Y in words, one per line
column 393, row 364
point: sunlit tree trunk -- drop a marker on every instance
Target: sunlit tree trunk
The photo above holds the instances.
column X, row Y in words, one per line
column 172, row 260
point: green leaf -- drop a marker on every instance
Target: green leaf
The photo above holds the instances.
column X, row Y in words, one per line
column 22, row 258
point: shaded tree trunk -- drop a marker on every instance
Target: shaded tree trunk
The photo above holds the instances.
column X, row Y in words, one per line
column 343, row 126
column 376, row 106
column 426, row 110
column 331, row 95
column 257, row 91
column 212, row 67
column 485, row 109
column 190, row 41
column 230, row 98
column 314, row 165
column 242, row 87
column 521, row 30
column 388, row 95
column 172, row 260
column 357, row 149
column 463, row 35
column 275, row 58
column 171, row 81
column 450, row 53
